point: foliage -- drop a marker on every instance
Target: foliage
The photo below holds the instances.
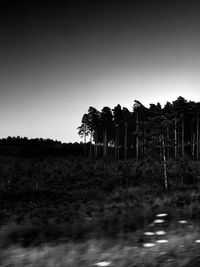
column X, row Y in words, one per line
column 145, row 131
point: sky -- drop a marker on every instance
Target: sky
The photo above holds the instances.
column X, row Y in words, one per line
column 59, row 58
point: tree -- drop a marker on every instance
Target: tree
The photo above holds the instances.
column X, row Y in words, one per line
column 107, row 124
column 159, row 140
column 117, row 119
column 181, row 136
column 84, row 130
column 179, row 108
column 139, row 112
column 94, row 125
column 167, row 112
column 197, row 111
column 126, row 118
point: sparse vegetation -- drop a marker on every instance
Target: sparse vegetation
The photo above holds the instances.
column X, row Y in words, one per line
column 85, row 211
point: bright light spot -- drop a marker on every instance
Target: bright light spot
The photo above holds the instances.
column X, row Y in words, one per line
column 161, row 215
column 162, row 253
column 160, row 232
column 182, row 221
column 197, row 241
column 149, row 233
column 162, row 241
column 103, row 263
column 159, row 221
column 148, row 245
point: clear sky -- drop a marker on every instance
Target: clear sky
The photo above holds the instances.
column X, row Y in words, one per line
column 58, row 59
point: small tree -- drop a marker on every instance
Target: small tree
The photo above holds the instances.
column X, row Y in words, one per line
column 84, row 130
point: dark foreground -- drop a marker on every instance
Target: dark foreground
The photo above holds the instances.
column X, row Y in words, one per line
column 80, row 212
column 113, row 229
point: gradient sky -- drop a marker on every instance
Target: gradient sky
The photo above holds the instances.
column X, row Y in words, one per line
column 58, row 59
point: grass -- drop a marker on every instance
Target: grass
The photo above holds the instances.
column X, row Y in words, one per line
column 71, row 230
column 63, row 245
column 87, row 212
column 181, row 250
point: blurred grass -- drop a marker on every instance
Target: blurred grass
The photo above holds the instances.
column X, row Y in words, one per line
column 88, row 242
column 120, row 212
column 44, row 231
column 181, row 250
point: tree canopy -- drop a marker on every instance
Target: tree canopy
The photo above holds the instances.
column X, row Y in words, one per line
column 143, row 131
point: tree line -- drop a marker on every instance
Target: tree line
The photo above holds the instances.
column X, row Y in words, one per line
column 163, row 133
column 38, row 147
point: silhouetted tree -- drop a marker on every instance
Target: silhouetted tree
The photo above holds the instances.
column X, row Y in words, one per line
column 126, row 119
column 84, row 130
column 118, row 120
column 107, row 125
column 180, row 106
column 180, row 137
column 94, row 123
column 139, row 114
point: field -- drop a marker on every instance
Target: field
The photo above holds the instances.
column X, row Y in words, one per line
column 81, row 212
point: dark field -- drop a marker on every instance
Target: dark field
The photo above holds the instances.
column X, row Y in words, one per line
column 81, row 212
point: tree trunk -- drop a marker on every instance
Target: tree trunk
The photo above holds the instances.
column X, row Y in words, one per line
column 145, row 141
column 197, row 149
column 192, row 136
column 105, row 142
column 90, row 144
column 175, row 138
column 143, row 144
column 96, row 144
column 85, row 148
column 182, row 137
column 164, row 163
column 125, row 141
column 117, row 142
column 137, row 137
column 193, row 144
column 168, row 152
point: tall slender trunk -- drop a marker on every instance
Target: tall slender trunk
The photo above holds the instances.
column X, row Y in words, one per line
column 164, row 162
column 85, row 148
column 193, row 144
column 197, row 149
column 168, row 152
column 125, row 140
column 142, row 143
column 161, row 146
column 182, row 137
column 145, row 142
column 175, row 138
column 137, row 137
column 96, row 144
column 105, row 142
column 90, row 144
column 191, row 140
column 117, row 142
